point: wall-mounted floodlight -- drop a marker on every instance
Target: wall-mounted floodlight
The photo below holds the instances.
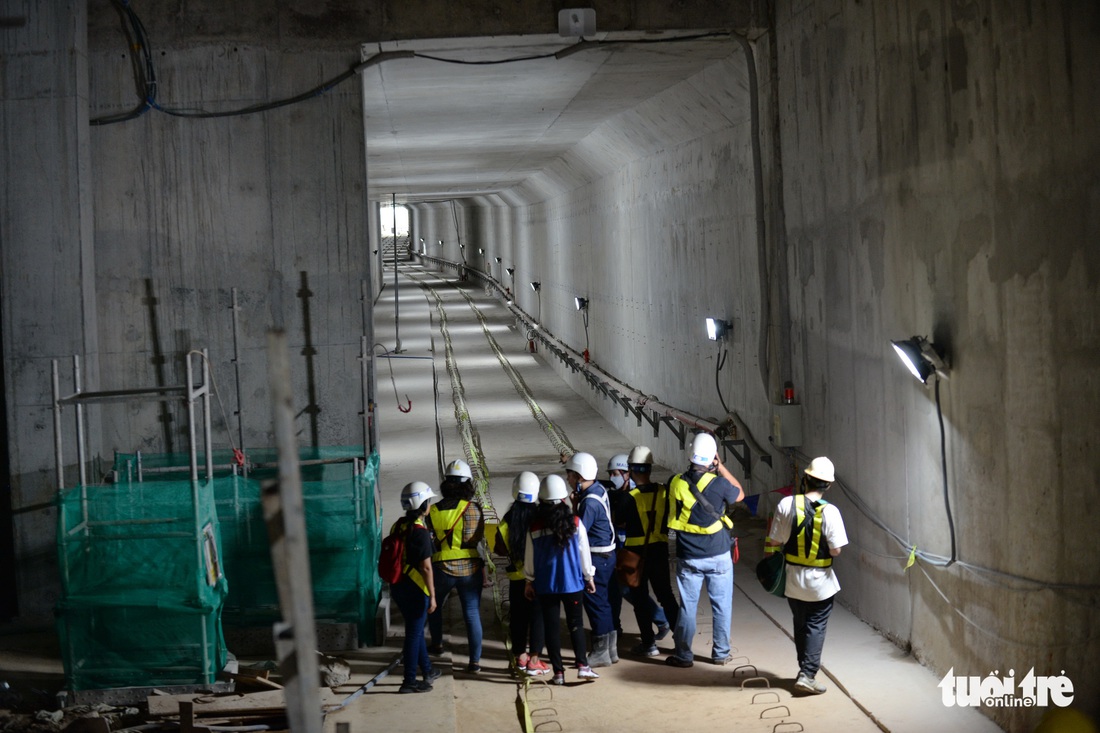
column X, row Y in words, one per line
column 922, row 358
column 481, row 250
column 499, row 260
column 461, row 246
column 511, row 271
column 581, row 303
column 536, row 286
column 717, row 328
column 441, row 243
column 422, row 240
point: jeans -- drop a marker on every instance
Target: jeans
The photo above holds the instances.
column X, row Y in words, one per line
column 810, row 618
column 598, row 604
column 414, row 607
column 691, row 574
column 528, row 633
column 469, row 593
column 551, row 617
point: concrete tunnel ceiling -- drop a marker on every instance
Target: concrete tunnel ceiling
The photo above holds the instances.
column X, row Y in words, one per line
column 438, row 131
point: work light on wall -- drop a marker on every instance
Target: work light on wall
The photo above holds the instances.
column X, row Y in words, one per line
column 582, row 306
column 580, row 303
column 717, row 328
column 536, row 286
column 922, row 358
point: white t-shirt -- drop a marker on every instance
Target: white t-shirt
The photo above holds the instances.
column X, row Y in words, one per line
column 806, row 583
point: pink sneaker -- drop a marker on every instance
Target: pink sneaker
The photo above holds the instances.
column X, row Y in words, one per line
column 521, row 661
column 537, row 667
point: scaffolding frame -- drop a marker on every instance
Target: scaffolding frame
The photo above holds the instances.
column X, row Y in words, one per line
column 191, row 395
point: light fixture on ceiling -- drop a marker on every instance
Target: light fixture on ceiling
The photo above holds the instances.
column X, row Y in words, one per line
column 922, row 358
column 580, row 303
column 717, row 328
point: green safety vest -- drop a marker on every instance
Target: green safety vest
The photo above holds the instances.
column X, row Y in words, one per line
column 805, row 546
column 448, row 533
column 651, row 508
column 680, row 502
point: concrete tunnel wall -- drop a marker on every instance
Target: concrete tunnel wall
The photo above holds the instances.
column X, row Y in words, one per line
column 939, row 177
column 921, row 195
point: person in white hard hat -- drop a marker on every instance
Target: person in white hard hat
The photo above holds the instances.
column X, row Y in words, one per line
column 591, row 504
column 414, row 593
column 558, row 567
column 458, row 523
column 812, row 533
column 698, row 500
column 524, row 616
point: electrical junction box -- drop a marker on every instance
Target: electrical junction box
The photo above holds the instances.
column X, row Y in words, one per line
column 577, row 22
column 787, row 425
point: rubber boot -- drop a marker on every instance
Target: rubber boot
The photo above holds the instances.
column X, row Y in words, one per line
column 613, row 647
column 601, row 654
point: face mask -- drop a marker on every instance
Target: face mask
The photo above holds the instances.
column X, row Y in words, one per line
column 617, row 480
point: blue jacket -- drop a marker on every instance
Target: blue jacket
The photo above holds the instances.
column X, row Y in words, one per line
column 594, row 510
column 556, row 569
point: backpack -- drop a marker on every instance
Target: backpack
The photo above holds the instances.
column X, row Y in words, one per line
column 391, row 559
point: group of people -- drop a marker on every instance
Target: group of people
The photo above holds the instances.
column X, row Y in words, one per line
column 561, row 537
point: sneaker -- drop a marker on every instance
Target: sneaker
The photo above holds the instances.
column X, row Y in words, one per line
column 432, row 676
column 662, row 632
column 537, row 667
column 559, row 678
column 415, row 686
column 436, row 650
column 585, row 672
column 675, row 661
column 722, row 661
column 521, row 661
column 473, row 667
column 645, row 650
column 809, row 684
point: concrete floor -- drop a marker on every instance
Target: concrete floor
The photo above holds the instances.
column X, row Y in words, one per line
column 872, row 684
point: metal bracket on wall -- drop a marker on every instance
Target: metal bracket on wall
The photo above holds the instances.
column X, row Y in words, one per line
column 678, row 429
column 744, row 458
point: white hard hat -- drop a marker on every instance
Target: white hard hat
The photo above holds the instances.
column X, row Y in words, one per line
column 459, row 468
column 584, row 464
column 822, row 469
column 618, row 462
column 525, row 487
column 553, row 488
column 703, row 449
column 640, row 454
column 415, row 494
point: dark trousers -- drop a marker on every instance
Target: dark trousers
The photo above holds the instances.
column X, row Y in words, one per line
column 574, row 621
column 524, row 621
column 810, row 619
column 414, row 607
column 598, row 604
column 656, row 575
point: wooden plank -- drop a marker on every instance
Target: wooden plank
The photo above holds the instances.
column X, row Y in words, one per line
column 254, row 702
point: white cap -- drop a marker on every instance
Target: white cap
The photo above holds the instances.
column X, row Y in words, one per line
column 415, row 494
column 459, row 468
column 583, row 464
column 822, row 469
column 553, row 488
column 525, row 487
column 703, row 449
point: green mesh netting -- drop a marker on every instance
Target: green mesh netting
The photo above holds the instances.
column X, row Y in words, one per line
column 142, row 591
column 343, row 521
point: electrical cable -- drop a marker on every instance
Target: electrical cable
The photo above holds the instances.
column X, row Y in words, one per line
column 943, row 464
column 722, row 354
column 145, row 73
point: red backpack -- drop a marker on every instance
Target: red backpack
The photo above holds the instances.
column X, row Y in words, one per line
column 391, row 560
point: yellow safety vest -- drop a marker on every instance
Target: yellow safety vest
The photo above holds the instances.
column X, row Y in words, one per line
column 450, row 542
column 517, row 573
column 805, row 546
column 651, row 508
column 680, row 502
column 413, row 573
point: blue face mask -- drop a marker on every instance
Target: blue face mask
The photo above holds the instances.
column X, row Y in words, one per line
column 617, row 480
